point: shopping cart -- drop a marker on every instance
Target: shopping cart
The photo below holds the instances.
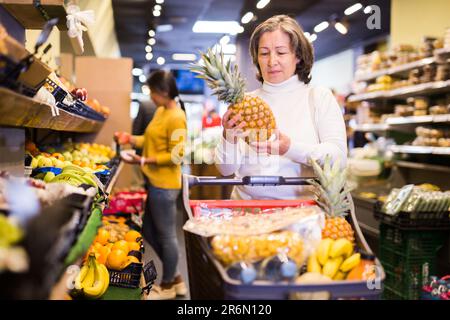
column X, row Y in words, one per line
column 208, row 278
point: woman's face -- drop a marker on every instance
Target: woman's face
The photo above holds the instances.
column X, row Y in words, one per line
column 158, row 98
column 276, row 58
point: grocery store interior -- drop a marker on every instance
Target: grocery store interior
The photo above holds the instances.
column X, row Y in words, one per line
column 73, row 206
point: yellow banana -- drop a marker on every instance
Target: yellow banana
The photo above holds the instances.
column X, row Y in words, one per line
column 89, row 280
column 351, row 262
column 80, row 277
column 95, row 291
column 323, row 250
column 331, row 267
column 340, row 276
column 341, row 247
column 313, row 265
column 105, row 277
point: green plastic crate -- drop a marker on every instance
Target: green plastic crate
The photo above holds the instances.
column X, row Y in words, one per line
column 408, row 258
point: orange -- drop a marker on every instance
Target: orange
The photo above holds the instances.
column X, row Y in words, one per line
column 129, row 260
column 103, row 253
column 109, row 245
column 116, row 259
column 121, row 245
column 132, row 236
column 134, row 246
column 102, row 236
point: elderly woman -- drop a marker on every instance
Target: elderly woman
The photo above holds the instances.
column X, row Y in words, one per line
column 308, row 118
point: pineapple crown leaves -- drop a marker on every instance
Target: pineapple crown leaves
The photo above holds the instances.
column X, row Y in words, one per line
column 332, row 189
column 224, row 79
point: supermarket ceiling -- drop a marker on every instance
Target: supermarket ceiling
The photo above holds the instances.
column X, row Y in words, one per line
column 134, row 19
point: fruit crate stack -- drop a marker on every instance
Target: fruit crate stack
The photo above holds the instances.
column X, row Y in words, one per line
column 408, row 257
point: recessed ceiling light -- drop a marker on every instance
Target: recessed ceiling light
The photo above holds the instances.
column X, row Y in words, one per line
column 353, row 9
column 160, row 61
column 149, row 56
column 136, row 72
column 341, row 27
column 159, row 1
column 157, row 7
column 151, row 41
column 313, row 37
column 148, row 48
column 262, row 3
column 145, row 89
column 164, row 28
column 184, row 57
column 247, row 17
column 216, row 27
column 307, row 34
column 142, row 78
column 156, row 13
column 151, row 33
column 224, row 40
column 321, row 26
column 367, row 9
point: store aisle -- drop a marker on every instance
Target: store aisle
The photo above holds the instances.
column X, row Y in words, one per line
column 150, row 254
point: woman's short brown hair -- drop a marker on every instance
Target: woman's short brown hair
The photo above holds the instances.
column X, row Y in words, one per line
column 299, row 43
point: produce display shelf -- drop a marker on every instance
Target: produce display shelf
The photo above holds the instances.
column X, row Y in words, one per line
column 422, row 166
column 420, row 150
column 31, row 17
column 21, row 111
column 368, row 127
column 114, row 178
column 396, row 70
column 442, row 51
column 418, row 119
column 419, row 89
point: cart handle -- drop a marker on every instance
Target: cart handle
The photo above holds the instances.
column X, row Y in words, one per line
column 248, row 180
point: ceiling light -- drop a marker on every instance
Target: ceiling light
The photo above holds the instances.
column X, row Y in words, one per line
column 151, row 33
column 353, row 9
column 341, row 27
column 321, row 26
column 136, row 72
column 184, row 57
column 224, row 40
column 313, row 37
column 247, row 17
column 157, row 7
column 142, row 78
column 307, row 34
column 149, row 56
column 262, row 3
column 164, row 28
column 367, row 9
column 159, row 1
column 156, row 13
column 148, row 49
column 216, row 27
column 151, row 41
column 145, row 89
column 160, row 61
column 240, row 29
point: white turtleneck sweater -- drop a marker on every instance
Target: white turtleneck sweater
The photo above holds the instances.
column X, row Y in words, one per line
column 289, row 102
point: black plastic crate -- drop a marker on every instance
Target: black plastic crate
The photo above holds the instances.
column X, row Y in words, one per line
column 414, row 220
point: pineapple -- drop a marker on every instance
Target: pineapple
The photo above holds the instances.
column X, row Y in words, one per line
column 228, row 84
column 332, row 193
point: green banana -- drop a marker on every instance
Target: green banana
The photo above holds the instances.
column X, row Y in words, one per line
column 341, row 247
column 351, row 262
column 313, row 265
column 323, row 250
column 331, row 267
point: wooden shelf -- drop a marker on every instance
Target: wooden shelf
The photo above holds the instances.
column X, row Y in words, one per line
column 31, row 17
column 396, row 70
column 21, row 111
column 420, row 89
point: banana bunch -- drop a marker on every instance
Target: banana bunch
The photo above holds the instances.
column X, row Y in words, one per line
column 75, row 175
column 333, row 258
column 93, row 279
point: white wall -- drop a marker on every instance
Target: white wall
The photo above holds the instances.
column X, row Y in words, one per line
column 335, row 72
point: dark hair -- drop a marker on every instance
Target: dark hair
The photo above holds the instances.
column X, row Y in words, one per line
column 299, row 44
column 164, row 82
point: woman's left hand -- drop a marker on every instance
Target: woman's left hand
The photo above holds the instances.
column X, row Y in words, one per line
column 279, row 146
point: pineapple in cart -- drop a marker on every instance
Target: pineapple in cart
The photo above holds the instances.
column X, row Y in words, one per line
column 332, row 192
column 227, row 83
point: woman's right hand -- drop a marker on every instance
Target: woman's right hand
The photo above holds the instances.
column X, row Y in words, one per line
column 233, row 127
column 122, row 137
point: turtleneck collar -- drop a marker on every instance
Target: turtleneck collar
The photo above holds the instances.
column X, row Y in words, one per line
column 290, row 84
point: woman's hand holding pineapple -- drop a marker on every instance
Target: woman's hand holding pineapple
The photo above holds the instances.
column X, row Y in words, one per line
column 233, row 127
column 279, row 146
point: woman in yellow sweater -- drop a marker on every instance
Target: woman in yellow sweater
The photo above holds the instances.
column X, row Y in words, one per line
column 163, row 148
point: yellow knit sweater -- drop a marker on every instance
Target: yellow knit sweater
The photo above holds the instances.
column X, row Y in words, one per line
column 164, row 138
